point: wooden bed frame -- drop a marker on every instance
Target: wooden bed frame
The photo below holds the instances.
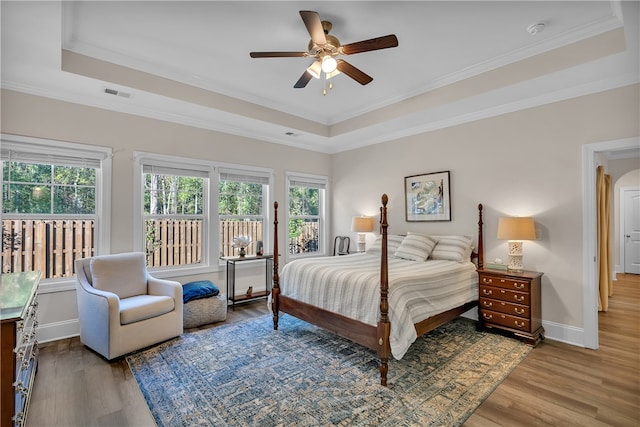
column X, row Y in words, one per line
column 373, row 337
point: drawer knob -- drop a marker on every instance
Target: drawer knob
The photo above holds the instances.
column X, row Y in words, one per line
column 519, row 285
column 518, row 298
column 487, row 316
column 487, row 303
column 485, row 280
column 487, row 291
column 519, row 324
column 518, row 310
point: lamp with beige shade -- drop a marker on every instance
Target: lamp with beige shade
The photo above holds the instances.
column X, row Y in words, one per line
column 515, row 230
column 361, row 225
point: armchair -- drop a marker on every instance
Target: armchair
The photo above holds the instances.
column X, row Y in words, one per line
column 122, row 308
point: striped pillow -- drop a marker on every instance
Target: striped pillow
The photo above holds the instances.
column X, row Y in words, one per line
column 393, row 243
column 415, row 247
column 453, row 248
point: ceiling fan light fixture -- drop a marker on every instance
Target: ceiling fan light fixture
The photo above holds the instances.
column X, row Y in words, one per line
column 315, row 69
column 329, row 64
column 332, row 74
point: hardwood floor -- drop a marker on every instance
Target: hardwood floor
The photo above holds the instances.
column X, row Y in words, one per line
column 556, row 385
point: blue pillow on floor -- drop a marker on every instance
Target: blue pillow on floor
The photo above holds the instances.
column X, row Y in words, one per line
column 199, row 289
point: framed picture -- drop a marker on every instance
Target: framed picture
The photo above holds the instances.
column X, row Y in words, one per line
column 428, row 197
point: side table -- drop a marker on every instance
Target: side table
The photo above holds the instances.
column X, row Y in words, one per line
column 231, row 278
column 511, row 302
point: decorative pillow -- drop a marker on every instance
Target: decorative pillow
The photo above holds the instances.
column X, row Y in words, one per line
column 415, row 247
column 452, row 248
column 199, row 289
column 393, row 243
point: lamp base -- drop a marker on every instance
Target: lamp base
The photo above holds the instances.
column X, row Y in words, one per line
column 515, row 257
column 362, row 242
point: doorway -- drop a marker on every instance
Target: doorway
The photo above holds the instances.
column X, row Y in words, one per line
column 589, row 229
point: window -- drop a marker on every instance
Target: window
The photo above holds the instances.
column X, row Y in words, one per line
column 53, row 196
column 243, row 197
column 173, row 204
column 190, row 210
column 306, row 214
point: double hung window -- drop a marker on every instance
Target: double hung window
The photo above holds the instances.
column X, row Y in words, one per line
column 306, row 201
column 53, row 205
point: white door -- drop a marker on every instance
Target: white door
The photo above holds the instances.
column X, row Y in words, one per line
column 632, row 231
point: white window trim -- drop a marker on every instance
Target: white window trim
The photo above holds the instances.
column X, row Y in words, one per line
column 324, row 209
column 212, row 216
column 207, row 265
column 267, row 201
column 103, row 189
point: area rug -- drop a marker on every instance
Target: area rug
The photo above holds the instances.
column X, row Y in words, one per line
column 247, row 374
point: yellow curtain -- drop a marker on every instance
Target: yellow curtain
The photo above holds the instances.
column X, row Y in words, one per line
column 604, row 238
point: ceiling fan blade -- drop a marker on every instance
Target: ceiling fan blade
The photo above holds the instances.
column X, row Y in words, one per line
column 314, row 26
column 303, row 80
column 277, row 54
column 353, row 72
column 383, row 42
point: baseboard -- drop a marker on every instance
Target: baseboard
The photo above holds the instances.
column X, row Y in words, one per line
column 564, row 333
column 58, row 330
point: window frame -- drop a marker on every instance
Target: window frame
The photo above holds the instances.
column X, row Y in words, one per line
column 317, row 181
column 249, row 174
column 211, row 261
column 61, row 150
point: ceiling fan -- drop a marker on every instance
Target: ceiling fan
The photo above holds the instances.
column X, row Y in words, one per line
column 325, row 48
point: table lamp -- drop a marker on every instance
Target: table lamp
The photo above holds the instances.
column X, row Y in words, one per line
column 361, row 225
column 515, row 230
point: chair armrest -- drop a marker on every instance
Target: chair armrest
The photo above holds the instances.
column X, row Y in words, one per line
column 168, row 288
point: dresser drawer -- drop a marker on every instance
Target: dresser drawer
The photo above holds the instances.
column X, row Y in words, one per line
column 506, row 320
column 505, row 282
column 505, row 295
column 505, row 307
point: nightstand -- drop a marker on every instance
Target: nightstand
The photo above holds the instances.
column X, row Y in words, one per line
column 511, row 302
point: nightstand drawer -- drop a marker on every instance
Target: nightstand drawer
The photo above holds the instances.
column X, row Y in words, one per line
column 506, row 320
column 505, row 295
column 507, row 283
column 505, row 307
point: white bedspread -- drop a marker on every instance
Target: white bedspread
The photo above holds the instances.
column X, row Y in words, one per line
column 350, row 285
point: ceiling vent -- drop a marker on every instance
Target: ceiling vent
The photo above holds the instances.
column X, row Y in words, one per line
column 116, row 92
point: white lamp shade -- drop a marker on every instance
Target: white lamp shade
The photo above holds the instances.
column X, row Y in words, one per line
column 515, row 228
column 362, row 224
column 315, row 69
column 329, row 64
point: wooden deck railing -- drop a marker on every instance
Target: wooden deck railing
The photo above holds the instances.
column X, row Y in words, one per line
column 52, row 246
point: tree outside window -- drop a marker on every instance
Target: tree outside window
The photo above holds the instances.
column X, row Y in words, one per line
column 173, row 218
column 306, row 214
column 241, row 209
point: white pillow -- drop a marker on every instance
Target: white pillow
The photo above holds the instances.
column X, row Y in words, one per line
column 452, row 248
column 393, row 243
column 415, row 247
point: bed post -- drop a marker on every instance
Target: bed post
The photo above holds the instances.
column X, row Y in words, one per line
column 480, row 239
column 384, row 327
column 275, row 289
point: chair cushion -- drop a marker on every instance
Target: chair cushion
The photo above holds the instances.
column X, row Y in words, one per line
column 123, row 274
column 199, row 289
column 141, row 307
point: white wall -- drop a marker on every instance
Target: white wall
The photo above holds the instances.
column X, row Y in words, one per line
column 46, row 118
column 526, row 163
column 523, row 163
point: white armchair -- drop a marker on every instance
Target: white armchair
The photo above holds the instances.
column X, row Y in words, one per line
column 122, row 308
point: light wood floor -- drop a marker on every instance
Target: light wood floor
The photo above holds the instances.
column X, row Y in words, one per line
column 556, row 385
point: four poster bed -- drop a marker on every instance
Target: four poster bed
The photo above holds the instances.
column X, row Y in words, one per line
column 378, row 301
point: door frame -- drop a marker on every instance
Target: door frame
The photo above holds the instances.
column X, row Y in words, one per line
column 622, row 250
column 589, row 230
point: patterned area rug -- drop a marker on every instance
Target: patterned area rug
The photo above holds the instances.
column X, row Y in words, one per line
column 248, row 374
